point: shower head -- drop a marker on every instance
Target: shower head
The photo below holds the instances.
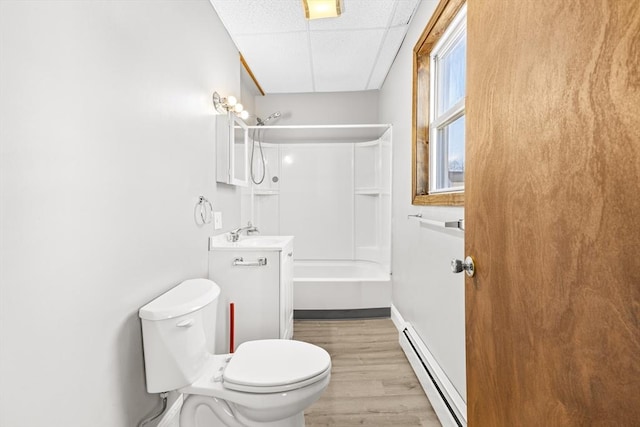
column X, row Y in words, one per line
column 271, row 117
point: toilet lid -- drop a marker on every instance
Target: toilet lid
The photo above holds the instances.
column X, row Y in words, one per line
column 272, row 363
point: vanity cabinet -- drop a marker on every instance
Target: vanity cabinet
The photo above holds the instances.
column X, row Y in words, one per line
column 232, row 150
column 259, row 281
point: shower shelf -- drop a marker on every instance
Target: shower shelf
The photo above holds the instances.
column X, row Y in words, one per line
column 371, row 192
column 266, row 192
column 368, row 191
column 333, row 133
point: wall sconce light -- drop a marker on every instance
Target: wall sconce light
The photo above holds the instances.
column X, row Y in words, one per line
column 230, row 103
column 316, row 9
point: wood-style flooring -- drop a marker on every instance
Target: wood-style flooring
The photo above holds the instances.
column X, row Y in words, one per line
column 372, row 383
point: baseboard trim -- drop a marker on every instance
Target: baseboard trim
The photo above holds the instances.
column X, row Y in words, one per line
column 446, row 401
column 358, row 313
column 397, row 319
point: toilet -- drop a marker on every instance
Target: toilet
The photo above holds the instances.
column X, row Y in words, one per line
column 263, row 383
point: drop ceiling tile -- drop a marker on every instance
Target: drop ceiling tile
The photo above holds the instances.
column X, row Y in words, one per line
column 289, row 54
column 404, row 11
column 280, row 62
column 343, row 60
column 357, row 14
column 388, row 52
column 261, row 16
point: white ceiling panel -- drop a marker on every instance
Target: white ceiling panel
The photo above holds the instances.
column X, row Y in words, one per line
column 280, row 62
column 358, row 14
column 261, row 16
column 289, row 54
column 404, row 11
column 388, row 52
column 343, row 60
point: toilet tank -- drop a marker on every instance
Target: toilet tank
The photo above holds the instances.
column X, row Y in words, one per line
column 178, row 332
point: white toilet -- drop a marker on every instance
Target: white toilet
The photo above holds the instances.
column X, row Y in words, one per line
column 264, row 383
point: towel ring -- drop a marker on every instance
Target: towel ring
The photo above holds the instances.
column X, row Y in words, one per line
column 203, row 202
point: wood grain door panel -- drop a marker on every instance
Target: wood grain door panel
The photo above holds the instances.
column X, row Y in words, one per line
column 553, row 213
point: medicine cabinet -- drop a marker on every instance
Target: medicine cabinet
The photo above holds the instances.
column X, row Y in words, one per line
column 232, row 140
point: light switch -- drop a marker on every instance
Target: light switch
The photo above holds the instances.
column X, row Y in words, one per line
column 217, row 220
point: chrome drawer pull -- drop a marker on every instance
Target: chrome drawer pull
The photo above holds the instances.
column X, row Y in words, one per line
column 257, row 263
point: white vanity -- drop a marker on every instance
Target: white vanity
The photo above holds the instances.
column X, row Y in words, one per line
column 256, row 274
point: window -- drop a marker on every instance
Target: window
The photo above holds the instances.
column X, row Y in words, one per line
column 439, row 108
column 446, row 117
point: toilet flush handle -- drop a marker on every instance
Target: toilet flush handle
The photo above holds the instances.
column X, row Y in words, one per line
column 185, row 323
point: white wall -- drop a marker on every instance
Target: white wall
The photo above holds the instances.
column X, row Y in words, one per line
column 106, row 142
column 425, row 292
column 321, row 108
column 248, row 93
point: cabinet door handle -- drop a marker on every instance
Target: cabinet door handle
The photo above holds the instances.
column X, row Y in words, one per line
column 257, row 263
column 290, row 254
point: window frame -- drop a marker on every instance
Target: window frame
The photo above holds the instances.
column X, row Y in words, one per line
column 454, row 33
column 443, row 17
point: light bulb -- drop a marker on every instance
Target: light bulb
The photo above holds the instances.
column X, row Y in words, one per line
column 231, row 101
column 238, row 108
column 244, row 115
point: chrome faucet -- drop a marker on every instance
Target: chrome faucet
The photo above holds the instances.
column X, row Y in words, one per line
column 235, row 234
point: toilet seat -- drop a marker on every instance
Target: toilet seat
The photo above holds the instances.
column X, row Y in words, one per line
column 272, row 366
column 237, row 404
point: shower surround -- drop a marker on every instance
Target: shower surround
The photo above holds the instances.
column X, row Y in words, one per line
column 331, row 190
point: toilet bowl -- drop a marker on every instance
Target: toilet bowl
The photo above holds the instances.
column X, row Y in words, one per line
column 277, row 396
column 264, row 383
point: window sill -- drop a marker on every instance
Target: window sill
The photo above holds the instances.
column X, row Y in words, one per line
column 441, row 199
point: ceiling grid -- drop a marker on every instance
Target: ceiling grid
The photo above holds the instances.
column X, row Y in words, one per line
column 289, row 54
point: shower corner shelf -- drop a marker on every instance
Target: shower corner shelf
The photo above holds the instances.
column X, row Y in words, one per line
column 257, row 192
column 371, row 191
column 368, row 248
column 368, row 191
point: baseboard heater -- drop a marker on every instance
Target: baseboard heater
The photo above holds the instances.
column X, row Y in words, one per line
column 449, row 412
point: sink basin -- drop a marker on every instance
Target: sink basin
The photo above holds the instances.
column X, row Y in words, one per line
column 250, row 242
column 261, row 241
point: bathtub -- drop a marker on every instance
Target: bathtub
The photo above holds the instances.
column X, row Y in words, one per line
column 363, row 287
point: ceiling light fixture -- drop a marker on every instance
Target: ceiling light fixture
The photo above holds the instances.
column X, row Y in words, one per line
column 229, row 104
column 317, row 9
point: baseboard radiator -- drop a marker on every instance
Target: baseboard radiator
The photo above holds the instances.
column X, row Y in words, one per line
column 447, row 403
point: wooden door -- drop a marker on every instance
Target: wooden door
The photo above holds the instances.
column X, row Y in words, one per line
column 553, row 213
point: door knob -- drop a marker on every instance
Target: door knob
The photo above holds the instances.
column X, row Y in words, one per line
column 458, row 266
